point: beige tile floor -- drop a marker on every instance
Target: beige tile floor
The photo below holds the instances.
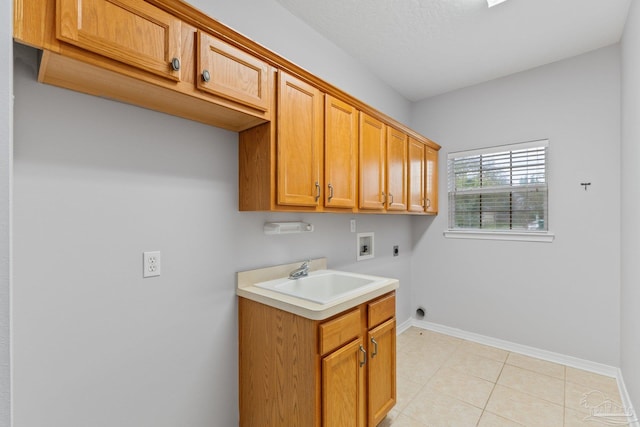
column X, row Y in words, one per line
column 447, row 381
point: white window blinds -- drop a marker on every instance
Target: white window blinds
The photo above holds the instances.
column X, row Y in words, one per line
column 499, row 188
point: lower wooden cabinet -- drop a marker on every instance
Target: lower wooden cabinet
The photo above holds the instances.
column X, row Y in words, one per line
column 343, row 386
column 381, row 368
column 338, row 372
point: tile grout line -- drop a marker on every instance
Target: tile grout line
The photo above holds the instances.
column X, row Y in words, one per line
column 484, row 409
column 492, row 390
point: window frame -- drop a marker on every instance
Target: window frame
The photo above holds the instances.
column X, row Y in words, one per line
column 500, row 234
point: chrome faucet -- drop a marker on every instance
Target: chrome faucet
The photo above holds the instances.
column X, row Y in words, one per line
column 302, row 271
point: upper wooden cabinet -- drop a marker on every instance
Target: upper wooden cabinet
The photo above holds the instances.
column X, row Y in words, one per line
column 299, row 142
column 307, row 160
column 229, row 72
column 396, row 161
column 431, row 184
column 340, row 153
column 129, row 31
column 416, row 176
column 383, row 166
column 142, row 54
column 305, row 145
column 372, row 163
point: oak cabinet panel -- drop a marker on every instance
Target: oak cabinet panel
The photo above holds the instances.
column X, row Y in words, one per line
column 304, row 145
column 340, row 153
column 383, row 166
column 339, row 331
column 431, row 177
column 416, row 176
column 299, row 142
column 343, row 386
column 278, row 367
column 396, row 162
column 381, row 368
column 143, row 53
column 307, row 159
column 381, row 310
column 227, row 71
column 130, row 31
column 372, row 163
column 299, row 372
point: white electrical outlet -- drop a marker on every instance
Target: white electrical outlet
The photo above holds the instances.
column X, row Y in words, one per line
column 151, row 264
column 353, row 225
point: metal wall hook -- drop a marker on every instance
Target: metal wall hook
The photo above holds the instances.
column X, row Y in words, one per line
column 585, row 185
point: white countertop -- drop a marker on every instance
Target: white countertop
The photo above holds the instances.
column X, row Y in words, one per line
column 299, row 306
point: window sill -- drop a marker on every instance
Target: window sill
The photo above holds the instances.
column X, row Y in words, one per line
column 545, row 237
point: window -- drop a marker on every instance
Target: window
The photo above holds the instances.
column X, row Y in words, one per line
column 500, row 190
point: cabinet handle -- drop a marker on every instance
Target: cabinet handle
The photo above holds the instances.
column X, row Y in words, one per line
column 364, row 356
column 422, row 203
column 206, row 76
column 317, row 191
column 330, row 192
column 384, row 198
column 391, row 197
column 175, row 64
column 375, row 347
column 428, row 203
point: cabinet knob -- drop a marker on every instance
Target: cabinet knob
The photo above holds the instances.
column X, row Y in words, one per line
column 206, row 76
column 175, row 64
column 330, row 192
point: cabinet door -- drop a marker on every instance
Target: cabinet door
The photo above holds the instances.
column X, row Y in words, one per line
column 340, row 153
column 130, row 31
column 343, row 399
column 431, row 178
column 396, row 170
column 372, row 163
column 416, row 176
column 299, row 142
column 228, row 72
column 381, row 371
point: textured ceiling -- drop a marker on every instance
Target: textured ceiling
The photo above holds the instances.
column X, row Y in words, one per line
column 427, row 47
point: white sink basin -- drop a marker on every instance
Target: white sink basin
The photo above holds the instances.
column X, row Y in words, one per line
column 323, row 286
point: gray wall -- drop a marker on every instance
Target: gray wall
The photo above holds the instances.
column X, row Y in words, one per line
column 97, row 183
column 6, row 161
column 630, row 212
column 562, row 296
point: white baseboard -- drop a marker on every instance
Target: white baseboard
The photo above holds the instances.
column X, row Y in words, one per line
column 626, row 399
column 404, row 326
column 574, row 362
